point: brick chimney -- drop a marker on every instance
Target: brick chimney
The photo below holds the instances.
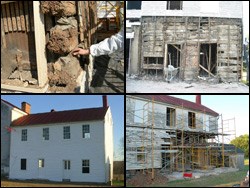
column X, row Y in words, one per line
column 26, row 107
column 198, row 99
column 105, row 101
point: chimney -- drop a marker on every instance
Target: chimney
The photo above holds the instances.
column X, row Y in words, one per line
column 26, row 107
column 198, row 99
column 105, row 101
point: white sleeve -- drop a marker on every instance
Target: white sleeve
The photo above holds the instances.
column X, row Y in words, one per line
column 108, row 45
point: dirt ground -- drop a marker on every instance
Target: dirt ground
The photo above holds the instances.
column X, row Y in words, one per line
column 135, row 85
column 141, row 180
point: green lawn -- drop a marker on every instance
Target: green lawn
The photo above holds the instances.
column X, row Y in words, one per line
column 117, row 183
column 222, row 180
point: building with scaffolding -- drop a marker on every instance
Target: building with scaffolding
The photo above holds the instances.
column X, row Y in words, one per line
column 172, row 134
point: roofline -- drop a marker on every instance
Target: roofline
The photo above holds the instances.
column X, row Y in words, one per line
column 28, row 125
column 139, row 97
column 8, row 103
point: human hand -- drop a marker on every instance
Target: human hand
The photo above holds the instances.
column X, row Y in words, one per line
column 80, row 51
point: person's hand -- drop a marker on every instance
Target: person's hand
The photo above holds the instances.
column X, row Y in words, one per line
column 80, row 51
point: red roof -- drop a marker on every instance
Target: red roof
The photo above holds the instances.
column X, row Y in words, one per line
column 11, row 104
column 88, row 114
column 179, row 102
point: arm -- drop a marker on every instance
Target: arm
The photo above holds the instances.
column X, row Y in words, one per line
column 106, row 47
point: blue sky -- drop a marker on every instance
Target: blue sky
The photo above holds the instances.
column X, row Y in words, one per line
column 229, row 106
column 42, row 103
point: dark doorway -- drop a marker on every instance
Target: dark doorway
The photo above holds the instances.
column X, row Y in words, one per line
column 208, row 59
column 127, row 54
column 174, row 55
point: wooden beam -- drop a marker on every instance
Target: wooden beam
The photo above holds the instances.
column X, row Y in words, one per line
column 209, row 63
column 18, row 17
column 40, row 43
column 3, row 39
column 206, row 70
column 22, row 18
column 24, row 89
column 13, row 16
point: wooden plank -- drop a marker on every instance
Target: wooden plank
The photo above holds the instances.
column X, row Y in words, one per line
column 5, row 22
column 26, row 13
column 24, row 89
column 31, row 15
column 18, row 17
column 22, row 18
column 40, row 43
column 13, row 16
column 206, row 70
column 8, row 17
column 3, row 39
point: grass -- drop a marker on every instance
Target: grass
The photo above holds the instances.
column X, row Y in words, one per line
column 117, row 183
column 222, row 180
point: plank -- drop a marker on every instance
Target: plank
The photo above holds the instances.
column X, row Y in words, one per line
column 26, row 13
column 19, row 27
column 3, row 39
column 40, row 43
column 24, row 89
column 13, row 16
column 5, row 22
column 207, row 70
column 8, row 17
column 31, row 15
column 22, row 18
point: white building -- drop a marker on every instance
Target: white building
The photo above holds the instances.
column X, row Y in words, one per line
column 9, row 113
column 75, row 145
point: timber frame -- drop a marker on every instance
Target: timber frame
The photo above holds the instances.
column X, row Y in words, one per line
column 190, row 33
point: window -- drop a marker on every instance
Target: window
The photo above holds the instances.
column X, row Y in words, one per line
column 85, row 131
column 46, row 133
column 66, row 132
column 23, row 164
column 85, row 166
column 170, row 117
column 174, row 5
column 24, row 135
column 41, row 163
column 191, row 120
column 141, row 156
column 133, row 5
column 66, row 164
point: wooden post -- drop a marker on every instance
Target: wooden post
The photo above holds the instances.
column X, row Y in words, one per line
column 40, row 44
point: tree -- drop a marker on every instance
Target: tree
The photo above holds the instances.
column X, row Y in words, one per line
column 242, row 142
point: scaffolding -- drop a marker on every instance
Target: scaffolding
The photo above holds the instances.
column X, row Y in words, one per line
column 190, row 141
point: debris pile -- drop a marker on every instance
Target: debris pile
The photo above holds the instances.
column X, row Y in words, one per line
column 141, row 179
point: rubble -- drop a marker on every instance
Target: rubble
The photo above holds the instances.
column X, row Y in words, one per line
column 59, row 8
column 141, row 179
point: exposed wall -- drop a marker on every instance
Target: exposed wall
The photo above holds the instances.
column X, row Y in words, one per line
column 190, row 33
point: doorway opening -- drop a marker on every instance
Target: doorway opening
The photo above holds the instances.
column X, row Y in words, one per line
column 208, row 60
column 127, row 55
column 174, row 55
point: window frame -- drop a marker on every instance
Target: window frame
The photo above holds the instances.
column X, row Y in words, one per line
column 85, row 166
column 22, row 167
column 40, row 163
column 66, row 164
column 24, row 135
column 66, row 134
column 45, row 134
column 87, row 133
column 169, row 5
